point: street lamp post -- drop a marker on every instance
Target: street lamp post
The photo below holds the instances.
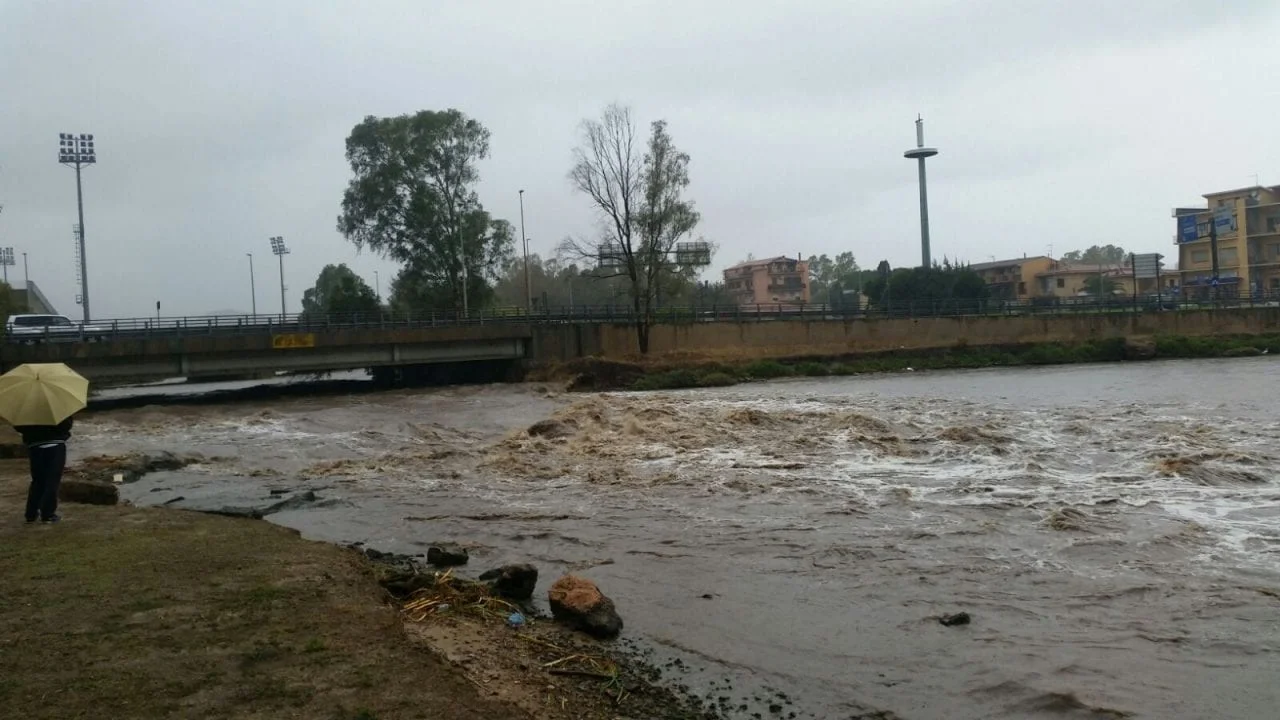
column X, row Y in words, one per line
column 377, row 287
column 279, row 249
column 77, row 151
column 26, row 273
column 6, row 259
column 528, row 286
column 253, row 290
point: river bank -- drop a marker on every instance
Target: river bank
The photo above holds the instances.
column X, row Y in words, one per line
column 673, row 371
column 171, row 613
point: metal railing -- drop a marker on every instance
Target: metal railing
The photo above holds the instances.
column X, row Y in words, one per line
column 140, row 328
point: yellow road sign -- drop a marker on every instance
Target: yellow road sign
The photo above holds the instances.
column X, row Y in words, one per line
column 293, row 340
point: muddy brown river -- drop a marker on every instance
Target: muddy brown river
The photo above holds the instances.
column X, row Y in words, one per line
column 1113, row 530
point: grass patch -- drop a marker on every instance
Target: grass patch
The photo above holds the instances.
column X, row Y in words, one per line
column 717, row 379
column 812, row 369
column 766, row 370
column 178, row 614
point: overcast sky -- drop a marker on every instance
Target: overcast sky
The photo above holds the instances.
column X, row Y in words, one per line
column 1061, row 124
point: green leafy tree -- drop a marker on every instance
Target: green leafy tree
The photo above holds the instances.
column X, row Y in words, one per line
column 338, row 290
column 1100, row 286
column 412, row 199
column 1097, row 255
column 941, row 288
column 825, row 272
column 640, row 201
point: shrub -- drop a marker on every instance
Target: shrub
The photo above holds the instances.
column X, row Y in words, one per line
column 843, row 369
column 812, row 369
column 765, row 369
column 672, row 380
column 717, row 379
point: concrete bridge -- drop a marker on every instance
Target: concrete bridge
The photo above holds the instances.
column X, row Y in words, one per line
column 220, row 350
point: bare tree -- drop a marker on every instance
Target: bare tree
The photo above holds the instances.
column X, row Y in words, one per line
column 643, row 212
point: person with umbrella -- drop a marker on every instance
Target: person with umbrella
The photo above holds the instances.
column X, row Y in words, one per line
column 39, row 400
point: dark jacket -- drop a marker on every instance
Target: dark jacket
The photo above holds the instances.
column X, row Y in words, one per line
column 34, row 435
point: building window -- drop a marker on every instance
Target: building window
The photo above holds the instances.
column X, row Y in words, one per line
column 1062, row 282
column 1173, row 282
column 1022, row 288
column 1275, row 283
column 1273, row 251
column 1199, row 256
column 1228, row 256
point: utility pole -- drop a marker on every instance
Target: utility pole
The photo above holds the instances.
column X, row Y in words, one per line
column 77, row 151
column 528, row 287
column 919, row 153
column 377, row 287
column 253, row 290
column 1213, row 252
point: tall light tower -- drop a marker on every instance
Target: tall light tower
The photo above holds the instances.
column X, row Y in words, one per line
column 7, row 259
column 919, row 153
column 528, row 287
column 279, row 249
column 253, row 290
column 77, row 151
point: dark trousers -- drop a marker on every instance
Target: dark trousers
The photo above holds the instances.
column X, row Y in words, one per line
column 46, row 474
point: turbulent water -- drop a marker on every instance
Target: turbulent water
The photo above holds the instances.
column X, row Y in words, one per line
column 1114, row 531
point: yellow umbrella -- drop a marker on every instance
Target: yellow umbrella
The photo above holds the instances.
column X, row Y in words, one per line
column 41, row 394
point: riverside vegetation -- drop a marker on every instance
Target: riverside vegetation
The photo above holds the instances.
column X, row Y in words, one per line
column 692, row 373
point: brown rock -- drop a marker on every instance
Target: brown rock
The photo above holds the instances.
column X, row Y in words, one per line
column 577, row 602
column 88, row 492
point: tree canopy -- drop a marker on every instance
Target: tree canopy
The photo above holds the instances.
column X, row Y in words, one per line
column 1100, row 286
column 640, row 203
column 339, row 290
column 921, row 290
column 1097, row 255
column 412, row 199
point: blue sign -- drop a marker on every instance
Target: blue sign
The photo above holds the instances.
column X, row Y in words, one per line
column 1187, row 231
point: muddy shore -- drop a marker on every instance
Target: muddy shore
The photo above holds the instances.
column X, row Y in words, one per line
column 171, row 613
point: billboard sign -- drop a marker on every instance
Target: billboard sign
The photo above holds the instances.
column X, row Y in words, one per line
column 1146, row 265
column 1187, row 231
column 1224, row 218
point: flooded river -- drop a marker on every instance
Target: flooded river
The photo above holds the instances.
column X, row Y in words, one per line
column 1114, row 531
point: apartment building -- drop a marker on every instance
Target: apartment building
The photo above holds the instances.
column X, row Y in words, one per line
column 1014, row 279
column 762, row 282
column 1068, row 281
column 1247, row 221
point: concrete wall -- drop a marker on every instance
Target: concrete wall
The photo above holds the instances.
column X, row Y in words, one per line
column 834, row 337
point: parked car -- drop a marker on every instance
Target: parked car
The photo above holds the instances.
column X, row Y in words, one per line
column 50, row 328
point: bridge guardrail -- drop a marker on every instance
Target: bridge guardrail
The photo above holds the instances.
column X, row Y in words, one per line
column 133, row 328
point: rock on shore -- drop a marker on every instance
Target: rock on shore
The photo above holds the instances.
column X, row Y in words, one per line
column 447, row 555
column 88, row 492
column 577, row 602
column 513, row 582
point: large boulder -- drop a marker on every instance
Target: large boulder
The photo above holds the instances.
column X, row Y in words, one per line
column 447, row 555
column 513, row 582
column 88, row 492
column 578, row 603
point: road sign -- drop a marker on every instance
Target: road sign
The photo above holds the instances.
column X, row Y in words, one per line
column 1146, row 265
column 293, row 340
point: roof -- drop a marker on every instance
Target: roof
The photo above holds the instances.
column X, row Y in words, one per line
column 761, row 261
column 1085, row 269
column 1006, row 263
column 1243, row 190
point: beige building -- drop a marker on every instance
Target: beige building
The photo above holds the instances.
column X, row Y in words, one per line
column 764, row 282
column 1069, row 281
column 1014, row 279
column 1248, row 229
